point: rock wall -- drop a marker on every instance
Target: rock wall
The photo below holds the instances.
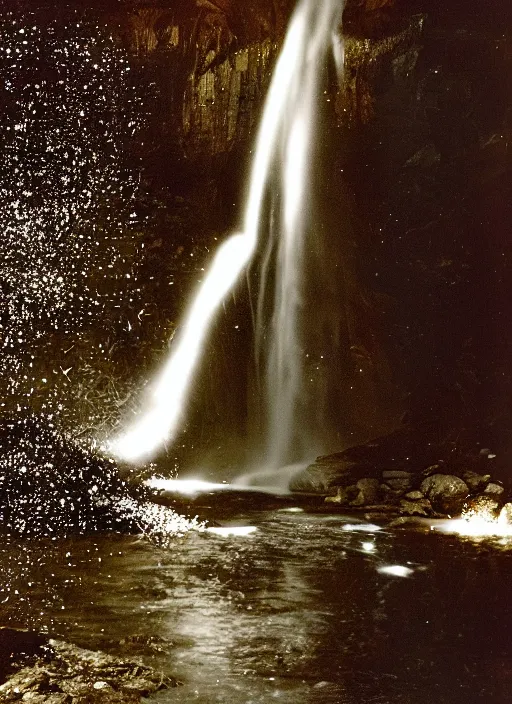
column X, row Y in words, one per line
column 424, row 133
column 221, row 105
column 214, row 59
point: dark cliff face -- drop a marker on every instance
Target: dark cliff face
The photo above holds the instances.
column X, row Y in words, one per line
column 211, row 63
column 424, row 134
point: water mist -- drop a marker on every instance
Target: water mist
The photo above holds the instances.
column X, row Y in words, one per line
column 282, row 159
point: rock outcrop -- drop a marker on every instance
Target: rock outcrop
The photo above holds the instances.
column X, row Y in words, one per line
column 66, row 674
column 426, row 479
column 447, row 493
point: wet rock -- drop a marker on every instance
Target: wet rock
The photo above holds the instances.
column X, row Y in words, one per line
column 476, row 482
column 80, row 676
column 414, row 495
column 496, row 491
column 368, row 492
column 402, row 453
column 75, row 687
column 344, row 495
column 408, row 522
column 398, row 480
column 389, row 495
column 505, row 517
column 140, row 685
column 101, row 685
column 111, row 697
column 325, row 473
column 432, row 469
column 446, row 493
column 417, row 507
column 139, row 643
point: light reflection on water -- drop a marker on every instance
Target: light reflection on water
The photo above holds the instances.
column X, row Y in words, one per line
column 303, row 608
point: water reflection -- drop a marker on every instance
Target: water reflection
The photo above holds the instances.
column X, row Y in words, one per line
column 302, row 608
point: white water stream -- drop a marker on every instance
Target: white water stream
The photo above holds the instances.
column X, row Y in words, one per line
column 283, row 148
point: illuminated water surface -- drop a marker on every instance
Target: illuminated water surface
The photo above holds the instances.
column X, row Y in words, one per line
column 284, row 605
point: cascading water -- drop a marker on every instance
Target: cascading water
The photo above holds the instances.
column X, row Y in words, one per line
column 281, row 354
column 283, row 147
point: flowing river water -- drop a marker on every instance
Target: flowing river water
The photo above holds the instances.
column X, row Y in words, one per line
column 282, row 604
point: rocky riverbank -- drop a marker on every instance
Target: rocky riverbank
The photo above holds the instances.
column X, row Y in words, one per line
column 46, row 671
column 405, row 474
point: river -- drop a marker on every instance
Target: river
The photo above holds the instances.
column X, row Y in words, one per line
column 282, row 604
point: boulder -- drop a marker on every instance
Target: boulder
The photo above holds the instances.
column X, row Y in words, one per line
column 344, row 496
column 414, row 496
column 326, row 473
column 505, row 517
column 368, row 492
column 496, row 491
column 432, row 469
column 446, row 492
column 398, row 480
column 416, row 507
column 476, row 482
column 389, row 495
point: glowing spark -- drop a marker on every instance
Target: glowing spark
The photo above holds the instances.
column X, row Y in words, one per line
column 59, row 168
column 238, row 531
column 478, row 524
column 188, row 487
column 395, row 570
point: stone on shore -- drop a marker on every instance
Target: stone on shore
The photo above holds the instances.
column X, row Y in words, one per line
column 66, row 674
column 496, row 491
column 398, row 480
column 505, row 517
column 476, row 482
column 446, row 492
column 420, row 506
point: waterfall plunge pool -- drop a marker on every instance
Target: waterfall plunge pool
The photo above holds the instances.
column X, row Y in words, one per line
column 281, row 604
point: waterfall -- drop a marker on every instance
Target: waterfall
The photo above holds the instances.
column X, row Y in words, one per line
column 282, row 154
column 279, row 345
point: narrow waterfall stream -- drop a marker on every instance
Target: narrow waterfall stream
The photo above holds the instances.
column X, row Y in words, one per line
column 282, row 161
